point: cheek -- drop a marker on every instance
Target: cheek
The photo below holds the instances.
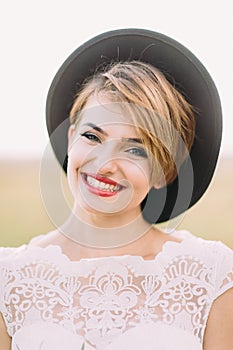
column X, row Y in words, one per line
column 76, row 155
column 139, row 176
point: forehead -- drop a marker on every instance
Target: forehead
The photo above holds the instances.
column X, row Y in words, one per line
column 103, row 112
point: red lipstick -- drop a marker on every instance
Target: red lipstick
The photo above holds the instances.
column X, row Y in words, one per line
column 103, row 192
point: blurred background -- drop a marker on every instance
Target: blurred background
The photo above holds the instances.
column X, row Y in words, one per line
column 36, row 37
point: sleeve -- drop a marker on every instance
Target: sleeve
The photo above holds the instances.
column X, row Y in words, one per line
column 224, row 268
column 6, row 262
column 5, row 253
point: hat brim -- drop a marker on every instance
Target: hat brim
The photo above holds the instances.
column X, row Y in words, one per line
column 183, row 69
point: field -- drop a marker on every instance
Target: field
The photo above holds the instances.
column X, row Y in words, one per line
column 23, row 214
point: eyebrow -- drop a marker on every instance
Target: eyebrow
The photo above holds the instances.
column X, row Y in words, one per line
column 126, row 139
column 132, row 139
column 97, row 128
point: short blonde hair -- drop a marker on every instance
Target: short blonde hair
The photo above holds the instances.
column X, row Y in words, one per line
column 163, row 117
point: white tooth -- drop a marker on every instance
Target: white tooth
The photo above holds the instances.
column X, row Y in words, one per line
column 101, row 185
column 89, row 179
column 96, row 183
column 92, row 182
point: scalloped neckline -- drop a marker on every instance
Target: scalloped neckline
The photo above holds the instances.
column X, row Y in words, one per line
column 167, row 245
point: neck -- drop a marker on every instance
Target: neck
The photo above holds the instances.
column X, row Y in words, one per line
column 104, row 220
column 112, row 233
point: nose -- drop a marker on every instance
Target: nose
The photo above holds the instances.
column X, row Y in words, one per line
column 108, row 167
column 106, row 160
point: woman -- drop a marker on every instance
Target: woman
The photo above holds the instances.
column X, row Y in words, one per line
column 107, row 278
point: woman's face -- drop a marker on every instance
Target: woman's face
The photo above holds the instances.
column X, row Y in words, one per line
column 108, row 168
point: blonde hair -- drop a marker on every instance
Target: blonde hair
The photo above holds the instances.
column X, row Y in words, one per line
column 163, row 117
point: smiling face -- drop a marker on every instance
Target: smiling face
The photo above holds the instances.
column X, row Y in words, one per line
column 159, row 110
column 108, row 168
column 109, row 171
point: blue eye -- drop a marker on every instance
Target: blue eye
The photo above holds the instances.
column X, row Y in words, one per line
column 140, row 152
column 90, row 136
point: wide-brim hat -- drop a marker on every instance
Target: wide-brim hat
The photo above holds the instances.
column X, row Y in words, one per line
column 183, row 69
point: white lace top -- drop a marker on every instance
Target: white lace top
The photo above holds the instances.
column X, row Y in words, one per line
column 124, row 302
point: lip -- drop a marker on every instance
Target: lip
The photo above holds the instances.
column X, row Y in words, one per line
column 107, row 181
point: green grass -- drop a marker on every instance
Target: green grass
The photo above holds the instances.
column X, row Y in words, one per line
column 23, row 214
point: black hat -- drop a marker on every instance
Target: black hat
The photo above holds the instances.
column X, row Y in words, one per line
column 191, row 78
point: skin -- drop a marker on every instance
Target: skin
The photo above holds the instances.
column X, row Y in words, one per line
column 106, row 144
column 218, row 333
column 97, row 152
column 5, row 339
column 110, row 154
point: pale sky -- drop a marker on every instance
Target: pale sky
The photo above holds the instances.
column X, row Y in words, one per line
column 37, row 36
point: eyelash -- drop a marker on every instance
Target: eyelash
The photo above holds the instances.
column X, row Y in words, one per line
column 93, row 138
column 90, row 136
column 139, row 152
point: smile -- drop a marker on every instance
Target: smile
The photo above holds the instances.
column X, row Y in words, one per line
column 101, row 186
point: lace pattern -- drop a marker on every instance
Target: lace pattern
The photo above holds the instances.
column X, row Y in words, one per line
column 101, row 299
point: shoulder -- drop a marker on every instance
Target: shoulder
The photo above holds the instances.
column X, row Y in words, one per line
column 210, row 247
column 10, row 252
column 217, row 268
column 224, row 268
column 215, row 256
column 46, row 239
column 8, row 257
column 220, row 256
